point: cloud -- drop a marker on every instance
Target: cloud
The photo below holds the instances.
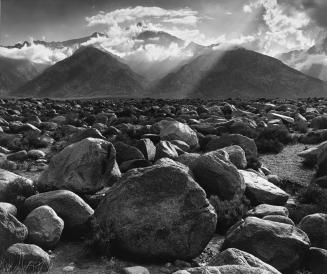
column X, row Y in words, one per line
column 283, row 26
column 179, row 16
column 37, row 53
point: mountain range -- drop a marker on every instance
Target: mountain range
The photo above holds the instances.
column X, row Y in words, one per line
column 206, row 73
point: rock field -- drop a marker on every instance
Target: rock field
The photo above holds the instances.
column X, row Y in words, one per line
column 163, row 186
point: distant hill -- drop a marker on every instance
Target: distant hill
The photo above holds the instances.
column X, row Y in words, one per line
column 238, row 73
column 89, row 72
column 312, row 62
column 16, row 72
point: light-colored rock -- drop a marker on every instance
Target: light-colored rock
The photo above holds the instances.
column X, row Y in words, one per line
column 261, row 191
column 44, row 227
column 263, row 210
column 233, row 256
column 173, row 130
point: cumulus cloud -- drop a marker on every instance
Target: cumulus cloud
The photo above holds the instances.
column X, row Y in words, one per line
column 284, row 26
column 120, row 16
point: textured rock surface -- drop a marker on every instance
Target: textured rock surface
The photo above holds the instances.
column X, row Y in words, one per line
column 280, row 245
column 158, row 212
column 83, row 167
column 44, row 227
column 261, row 191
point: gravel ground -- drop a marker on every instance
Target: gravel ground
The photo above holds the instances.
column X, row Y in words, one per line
column 288, row 166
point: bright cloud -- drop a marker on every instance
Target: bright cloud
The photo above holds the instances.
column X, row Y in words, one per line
column 37, row 53
column 120, row 16
column 284, row 28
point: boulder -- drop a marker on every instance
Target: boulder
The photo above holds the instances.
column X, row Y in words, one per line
column 319, row 122
column 69, row 206
column 126, row 152
column 18, row 156
column 83, row 167
column 279, row 245
column 44, row 227
column 316, row 260
column 233, row 256
column 279, row 219
column 135, row 270
column 8, row 181
column 148, row 149
column 11, row 231
column 8, row 208
column 165, row 149
column 218, row 176
column 261, row 191
column 247, row 144
column 158, row 212
column 36, row 154
column 27, row 257
column 237, row 156
column 263, row 210
column 315, row 225
column 173, row 130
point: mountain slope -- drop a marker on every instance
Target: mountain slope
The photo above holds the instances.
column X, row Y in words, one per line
column 312, row 62
column 89, row 72
column 16, row 72
column 238, row 73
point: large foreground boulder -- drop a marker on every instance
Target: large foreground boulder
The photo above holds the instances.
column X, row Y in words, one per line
column 158, row 212
column 233, row 256
column 217, row 175
column 70, row 207
column 261, row 191
column 173, row 130
column 83, row 167
column 315, row 225
column 280, row 245
column 11, row 231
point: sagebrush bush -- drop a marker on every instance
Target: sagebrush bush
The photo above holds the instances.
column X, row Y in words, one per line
column 229, row 212
column 315, row 195
column 272, row 139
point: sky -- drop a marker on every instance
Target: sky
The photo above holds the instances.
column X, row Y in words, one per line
column 268, row 26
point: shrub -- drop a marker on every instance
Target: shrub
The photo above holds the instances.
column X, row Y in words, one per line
column 229, row 212
column 272, row 139
column 96, row 240
column 315, row 195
